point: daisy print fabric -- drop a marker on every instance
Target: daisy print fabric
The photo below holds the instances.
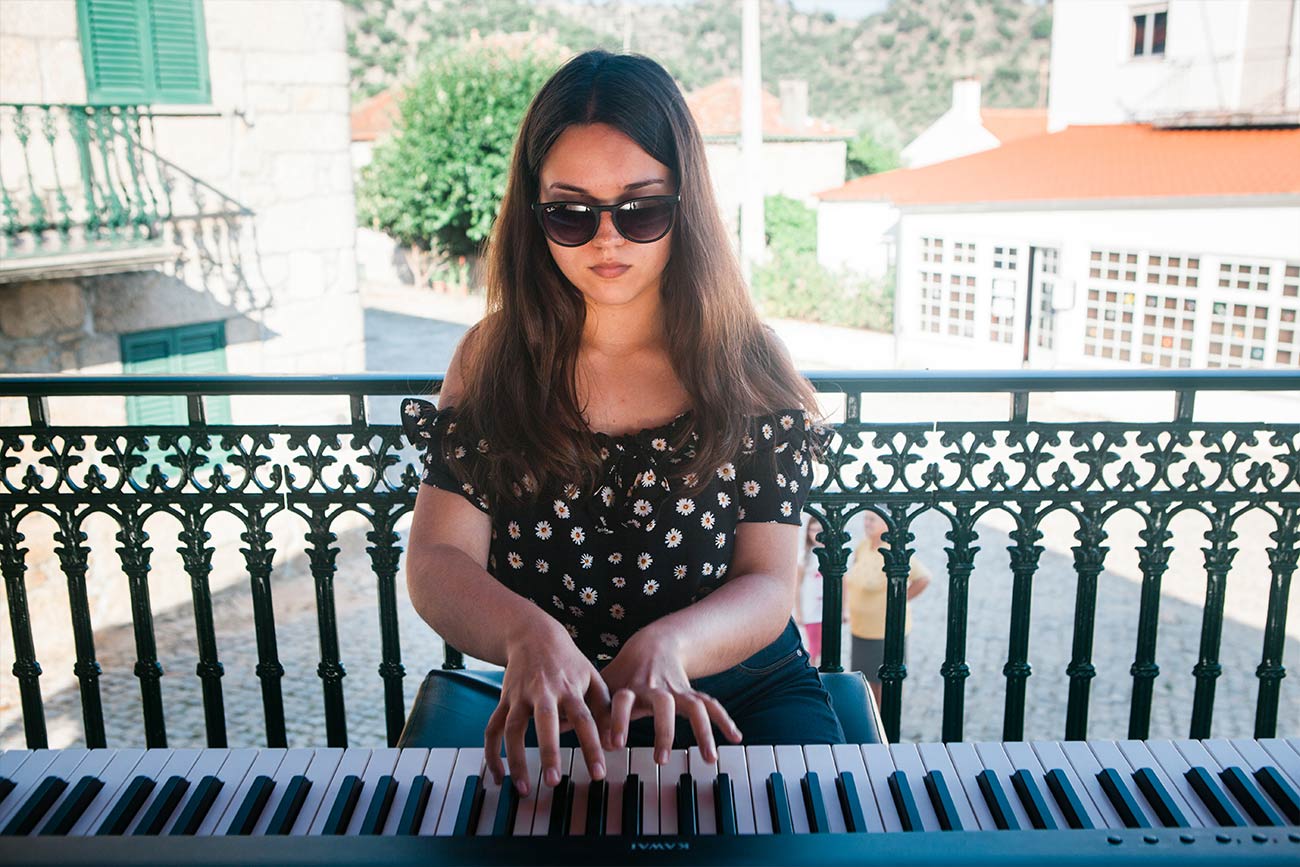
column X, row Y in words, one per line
column 607, row 562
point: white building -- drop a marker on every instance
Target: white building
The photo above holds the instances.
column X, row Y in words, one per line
column 1109, row 242
column 968, row 128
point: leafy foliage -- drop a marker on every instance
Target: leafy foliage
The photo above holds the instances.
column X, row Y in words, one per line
column 790, row 225
column 796, row 286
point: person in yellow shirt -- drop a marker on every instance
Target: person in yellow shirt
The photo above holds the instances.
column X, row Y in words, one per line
column 865, row 586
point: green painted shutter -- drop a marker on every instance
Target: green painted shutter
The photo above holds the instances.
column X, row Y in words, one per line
column 144, row 51
column 180, row 51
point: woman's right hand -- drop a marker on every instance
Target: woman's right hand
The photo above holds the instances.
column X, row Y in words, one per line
column 548, row 680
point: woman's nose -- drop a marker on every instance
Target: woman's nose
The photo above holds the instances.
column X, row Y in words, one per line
column 606, row 233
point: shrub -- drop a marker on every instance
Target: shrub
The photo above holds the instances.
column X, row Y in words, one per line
column 797, row 286
column 1042, row 27
column 886, row 40
column 790, row 225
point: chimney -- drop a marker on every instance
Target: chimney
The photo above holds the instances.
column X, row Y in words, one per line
column 794, row 102
column 966, row 99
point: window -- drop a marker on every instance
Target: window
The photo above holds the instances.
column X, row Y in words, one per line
column 144, row 51
column 189, row 349
column 1149, row 32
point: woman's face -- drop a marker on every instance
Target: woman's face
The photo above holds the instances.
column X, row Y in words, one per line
column 598, row 164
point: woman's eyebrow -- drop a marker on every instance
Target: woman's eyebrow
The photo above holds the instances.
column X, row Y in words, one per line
column 558, row 185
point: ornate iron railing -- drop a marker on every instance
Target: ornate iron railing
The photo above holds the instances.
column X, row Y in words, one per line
column 960, row 470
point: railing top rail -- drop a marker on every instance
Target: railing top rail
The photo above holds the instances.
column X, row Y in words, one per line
column 909, row 381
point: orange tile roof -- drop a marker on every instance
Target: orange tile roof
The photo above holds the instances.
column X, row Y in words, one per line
column 1011, row 124
column 716, row 109
column 374, row 116
column 1131, row 161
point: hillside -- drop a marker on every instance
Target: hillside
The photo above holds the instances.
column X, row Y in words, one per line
column 890, row 73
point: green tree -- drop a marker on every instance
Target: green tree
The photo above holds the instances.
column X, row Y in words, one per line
column 436, row 184
column 791, row 226
column 869, row 154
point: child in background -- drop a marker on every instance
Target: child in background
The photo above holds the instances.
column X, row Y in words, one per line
column 808, row 613
column 865, row 588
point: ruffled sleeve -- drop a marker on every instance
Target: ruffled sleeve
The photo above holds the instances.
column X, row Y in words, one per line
column 446, row 454
column 775, row 470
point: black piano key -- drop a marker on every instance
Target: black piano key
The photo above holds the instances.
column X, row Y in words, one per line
column 1272, row 781
column 632, row 794
column 250, row 809
column 1122, row 799
column 153, row 820
column 687, row 817
column 850, row 804
column 417, row 801
column 944, row 808
column 196, row 809
column 997, row 802
column 73, row 806
column 286, row 812
column 503, row 823
column 1214, row 799
column 597, row 805
column 780, row 807
column 1076, row 816
column 127, row 806
column 1259, row 810
column 724, row 802
column 345, row 802
column 380, row 803
column 35, row 807
column 6, row 786
column 814, row 804
column 561, row 808
column 904, row 803
column 1159, row 799
column 1032, row 800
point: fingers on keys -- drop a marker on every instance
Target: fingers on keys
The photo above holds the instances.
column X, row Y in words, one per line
column 584, row 724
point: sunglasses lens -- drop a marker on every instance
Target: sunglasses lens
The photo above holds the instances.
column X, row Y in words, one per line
column 569, row 226
column 644, row 221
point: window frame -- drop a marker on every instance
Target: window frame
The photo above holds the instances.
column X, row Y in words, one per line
column 1147, row 14
column 149, row 91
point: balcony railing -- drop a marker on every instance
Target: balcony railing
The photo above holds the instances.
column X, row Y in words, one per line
column 958, row 470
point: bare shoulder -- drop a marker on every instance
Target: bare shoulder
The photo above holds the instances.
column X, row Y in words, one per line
column 462, row 360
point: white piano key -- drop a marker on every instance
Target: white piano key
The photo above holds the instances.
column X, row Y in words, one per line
column 703, row 775
column 790, row 764
column 908, row 760
column 580, row 776
column 63, row 765
column 1226, row 754
column 352, row 763
column 469, row 761
column 544, row 802
column 616, row 771
column 527, row 809
column 320, row 770
column 761, row 761
column 731, row 761
column 966, row 769
column 92, row 765
column 1023, row 757
column 28, row 775
column 880, row 764
column 491, row 794
column 994, row 758
column 1086, row 767
column 1197, row 754
column 670, row 774
column 848, row 760
column 1174, row 764
column 1109, row 755
column 130, row 763
column 232, row 774
column 1257, row 757
column 11, row 761
column 439, row 767
column 1140, row 756
column 1051, row 757
column 1285, row 759
column 178, row 765
column 208, row 762
column 818, row 759
column 382, row 761
column 295, row 762
column 935, row 757
column 642, row 763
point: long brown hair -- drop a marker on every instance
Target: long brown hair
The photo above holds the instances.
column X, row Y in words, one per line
column 520, row 392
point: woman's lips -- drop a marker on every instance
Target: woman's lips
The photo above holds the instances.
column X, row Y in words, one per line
column 610, row 271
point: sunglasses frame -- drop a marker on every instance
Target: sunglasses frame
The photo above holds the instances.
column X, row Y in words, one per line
column 614, row 209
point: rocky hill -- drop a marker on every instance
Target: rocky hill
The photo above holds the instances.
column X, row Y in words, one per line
column 890, row 73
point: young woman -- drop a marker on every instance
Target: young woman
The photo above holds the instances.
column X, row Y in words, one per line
column 614, row 476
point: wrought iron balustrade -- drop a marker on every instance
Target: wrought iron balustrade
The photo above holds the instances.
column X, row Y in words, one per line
column 959, row 470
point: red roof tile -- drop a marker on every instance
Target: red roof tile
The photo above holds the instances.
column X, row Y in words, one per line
column 716, row 109
column 1130, row 161
column 1011, row 124
column 375, row 116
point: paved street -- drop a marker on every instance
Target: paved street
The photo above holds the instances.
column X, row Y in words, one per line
column 415, row 332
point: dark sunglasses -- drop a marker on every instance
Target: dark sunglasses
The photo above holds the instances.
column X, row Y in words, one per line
column 641, row 221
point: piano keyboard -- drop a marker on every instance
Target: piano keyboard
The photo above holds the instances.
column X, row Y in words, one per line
column 865, row 803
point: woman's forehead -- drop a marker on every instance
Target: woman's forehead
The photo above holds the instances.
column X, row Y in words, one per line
column 599, row 161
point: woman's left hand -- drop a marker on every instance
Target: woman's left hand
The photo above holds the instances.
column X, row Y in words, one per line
column 647, row 678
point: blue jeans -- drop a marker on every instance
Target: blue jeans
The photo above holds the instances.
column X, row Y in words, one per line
column 775, row 697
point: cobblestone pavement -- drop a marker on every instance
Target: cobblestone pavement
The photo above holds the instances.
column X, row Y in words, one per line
column 414, row 338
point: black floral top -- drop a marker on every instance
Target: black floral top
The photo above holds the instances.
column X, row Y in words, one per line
column 608, row 564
